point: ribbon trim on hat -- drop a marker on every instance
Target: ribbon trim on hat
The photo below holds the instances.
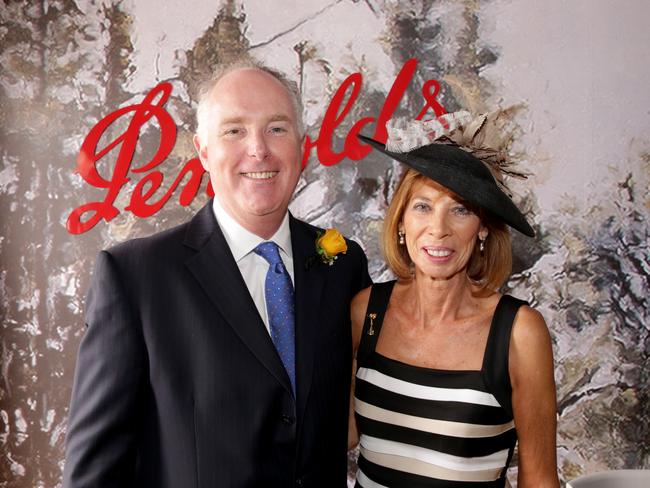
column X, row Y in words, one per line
column 407, row 135
column 481, row 136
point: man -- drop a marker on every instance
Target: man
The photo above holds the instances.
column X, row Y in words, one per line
column 207, row 362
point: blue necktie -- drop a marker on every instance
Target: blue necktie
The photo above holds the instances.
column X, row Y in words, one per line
column 278, row 291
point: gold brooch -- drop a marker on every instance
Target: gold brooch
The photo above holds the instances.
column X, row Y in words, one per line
column 372, row 317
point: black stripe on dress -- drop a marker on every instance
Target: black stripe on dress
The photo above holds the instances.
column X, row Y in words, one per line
column 455, row 379
column 400, row 479
column 456, row 446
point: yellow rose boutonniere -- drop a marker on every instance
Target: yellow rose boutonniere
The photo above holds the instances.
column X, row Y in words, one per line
column 329, row 245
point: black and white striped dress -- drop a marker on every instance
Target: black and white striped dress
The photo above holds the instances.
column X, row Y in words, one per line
column 425, row 427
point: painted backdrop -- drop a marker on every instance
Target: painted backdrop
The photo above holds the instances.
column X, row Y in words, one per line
column 577, row 69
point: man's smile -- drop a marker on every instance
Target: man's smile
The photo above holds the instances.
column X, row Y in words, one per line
column 260, row 175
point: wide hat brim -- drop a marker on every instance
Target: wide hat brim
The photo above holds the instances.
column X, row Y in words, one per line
column 463, row 174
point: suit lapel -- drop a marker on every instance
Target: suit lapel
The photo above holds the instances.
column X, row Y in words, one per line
column 215, row 269
column 309, row 285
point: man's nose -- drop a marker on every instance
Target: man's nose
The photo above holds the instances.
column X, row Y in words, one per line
column 257, row 146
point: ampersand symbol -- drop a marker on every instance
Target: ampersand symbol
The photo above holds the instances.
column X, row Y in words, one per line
column 430, row 91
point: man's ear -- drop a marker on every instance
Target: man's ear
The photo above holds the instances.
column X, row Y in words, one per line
column 202, row 151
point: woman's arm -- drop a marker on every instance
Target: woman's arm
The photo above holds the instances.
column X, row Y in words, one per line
column 533, row 400
column 357, row 312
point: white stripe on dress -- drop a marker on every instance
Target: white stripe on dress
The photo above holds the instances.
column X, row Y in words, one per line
column 421, row 468
column 414, row 390
column 495, row 460
column 366, row 482
column 434, row 426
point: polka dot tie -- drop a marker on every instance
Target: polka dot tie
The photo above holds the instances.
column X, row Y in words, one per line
column 278, row 291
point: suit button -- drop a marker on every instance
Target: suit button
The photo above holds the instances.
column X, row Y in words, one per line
column 288, row 419
column 299, row 482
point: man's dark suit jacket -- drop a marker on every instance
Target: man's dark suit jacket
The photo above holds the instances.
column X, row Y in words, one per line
column 178, row 383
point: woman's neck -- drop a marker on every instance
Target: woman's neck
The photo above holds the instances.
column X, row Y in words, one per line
column 441, row 301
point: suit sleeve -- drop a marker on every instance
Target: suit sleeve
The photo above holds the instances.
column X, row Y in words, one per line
column 364, row 280
column 111, row 365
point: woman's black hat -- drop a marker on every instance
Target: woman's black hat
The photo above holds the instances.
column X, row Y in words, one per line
column 463, row 174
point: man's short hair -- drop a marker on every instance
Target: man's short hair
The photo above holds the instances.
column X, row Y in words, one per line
column 244, row 63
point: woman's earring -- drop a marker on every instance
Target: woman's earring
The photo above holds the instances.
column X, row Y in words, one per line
column 401, row 240
column 481, row 246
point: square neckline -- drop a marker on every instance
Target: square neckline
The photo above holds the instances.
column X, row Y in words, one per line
column 491, row 333
column 383, row 357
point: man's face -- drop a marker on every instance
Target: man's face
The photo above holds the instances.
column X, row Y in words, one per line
column 253, row 146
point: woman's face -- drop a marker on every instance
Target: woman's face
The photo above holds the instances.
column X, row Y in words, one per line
column 440, row 231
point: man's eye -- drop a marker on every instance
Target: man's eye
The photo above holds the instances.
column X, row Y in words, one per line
column 278, row 130
column 232, row 131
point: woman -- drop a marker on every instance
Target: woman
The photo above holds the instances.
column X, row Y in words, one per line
column 449, row 374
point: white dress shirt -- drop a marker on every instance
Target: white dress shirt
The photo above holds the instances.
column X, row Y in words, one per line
column 252, row 267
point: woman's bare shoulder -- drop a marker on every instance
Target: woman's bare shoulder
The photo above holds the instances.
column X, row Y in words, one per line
column 531, row 349
column 529, row 328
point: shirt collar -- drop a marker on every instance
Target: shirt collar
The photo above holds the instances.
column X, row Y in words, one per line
column 241, row 241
